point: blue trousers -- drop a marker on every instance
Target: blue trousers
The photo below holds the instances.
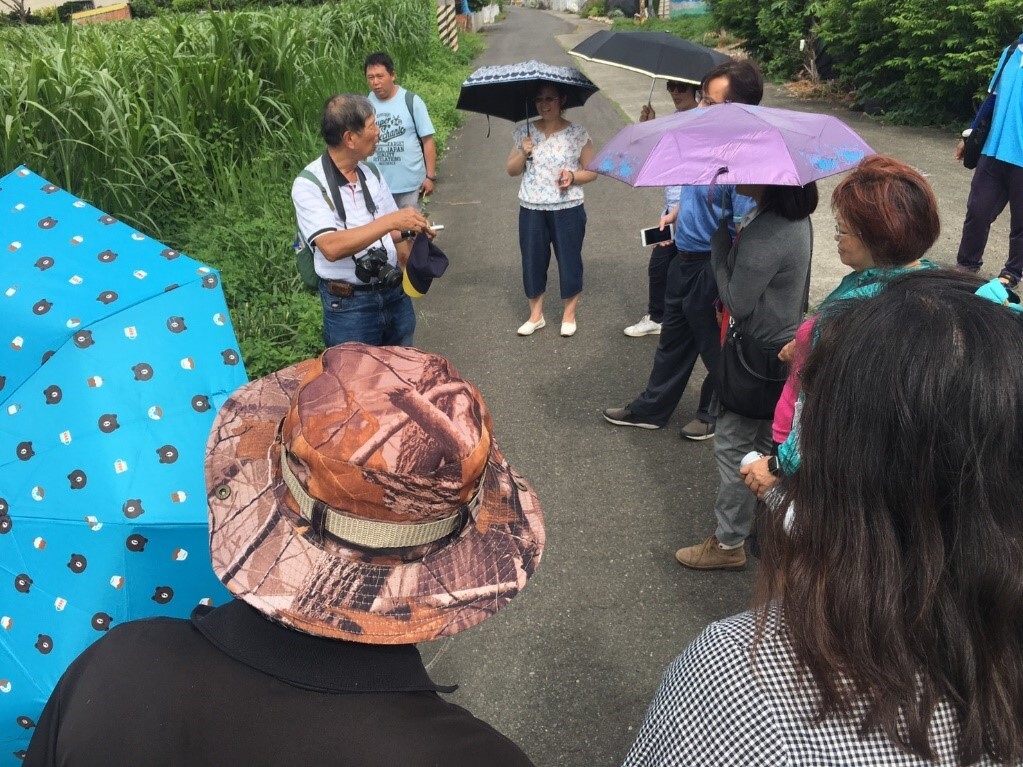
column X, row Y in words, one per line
column 375, row 317
column 539, row 230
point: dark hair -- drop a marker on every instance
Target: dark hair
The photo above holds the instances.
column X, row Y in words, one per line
column 899, row 580
column 379, row 59
column 681, row 86
column 891, row 208
column 342, row 113
column 562, row 93
column 745, row 82
column 792, row 202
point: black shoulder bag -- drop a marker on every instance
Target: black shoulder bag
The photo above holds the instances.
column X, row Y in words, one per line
column 751, row 377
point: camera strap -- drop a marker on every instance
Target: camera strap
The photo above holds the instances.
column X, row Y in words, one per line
column 335, row 180
column 334, row 183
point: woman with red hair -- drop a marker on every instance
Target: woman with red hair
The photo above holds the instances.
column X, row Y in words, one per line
column 886, row 218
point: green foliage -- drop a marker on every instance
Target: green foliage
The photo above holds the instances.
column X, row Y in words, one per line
column 65, row 10
column 921, row 60
column 924, row 60
column 193, row 127
column 771, row 29
column 698, row 28
column 591, row 8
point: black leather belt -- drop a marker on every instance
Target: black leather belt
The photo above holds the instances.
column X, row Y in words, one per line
column 343, row 289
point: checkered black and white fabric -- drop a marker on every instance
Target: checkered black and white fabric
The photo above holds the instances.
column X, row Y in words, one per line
column 714, row 708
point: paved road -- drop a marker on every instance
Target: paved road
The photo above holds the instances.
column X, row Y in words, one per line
column 568, row 668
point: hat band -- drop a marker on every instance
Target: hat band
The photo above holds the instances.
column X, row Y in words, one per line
column 371, row 533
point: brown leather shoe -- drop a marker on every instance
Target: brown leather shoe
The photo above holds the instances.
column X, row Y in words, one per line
column 710, row 556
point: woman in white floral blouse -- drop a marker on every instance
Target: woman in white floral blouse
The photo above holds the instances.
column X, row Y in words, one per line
column 549, row 154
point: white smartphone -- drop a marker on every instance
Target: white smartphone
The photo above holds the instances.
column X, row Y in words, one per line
column 655, row 235
column 437, row 227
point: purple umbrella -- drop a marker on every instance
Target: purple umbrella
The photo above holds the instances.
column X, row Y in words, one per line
column 731, row 144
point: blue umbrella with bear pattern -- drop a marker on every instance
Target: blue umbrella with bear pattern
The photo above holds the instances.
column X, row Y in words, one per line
column 115, row 353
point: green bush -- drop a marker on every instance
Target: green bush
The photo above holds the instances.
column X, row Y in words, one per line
column 924, row 60
column 771, row 29
column 698, row 28
column 920, row 60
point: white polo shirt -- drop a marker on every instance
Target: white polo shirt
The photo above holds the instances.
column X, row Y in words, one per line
column 315, row 217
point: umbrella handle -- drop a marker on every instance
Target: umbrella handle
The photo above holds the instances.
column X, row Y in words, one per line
column 650, row 95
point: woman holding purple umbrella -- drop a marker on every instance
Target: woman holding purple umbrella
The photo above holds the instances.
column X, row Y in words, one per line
column 549, row 154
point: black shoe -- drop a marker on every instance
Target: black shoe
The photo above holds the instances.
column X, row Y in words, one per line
column 622, row 416
column 697, row 430
column 1008, row 279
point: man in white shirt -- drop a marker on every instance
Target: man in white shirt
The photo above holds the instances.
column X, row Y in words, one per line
column 360, row 238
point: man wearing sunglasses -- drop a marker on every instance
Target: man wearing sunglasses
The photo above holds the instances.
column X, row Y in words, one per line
column 689, row 328
column 685, row 97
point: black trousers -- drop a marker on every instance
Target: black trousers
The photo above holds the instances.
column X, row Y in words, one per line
column 995, row 184
column 689, row 330
column 657, row 272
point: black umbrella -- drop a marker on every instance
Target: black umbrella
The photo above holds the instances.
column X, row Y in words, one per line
column 655, row 54
column 508, row 91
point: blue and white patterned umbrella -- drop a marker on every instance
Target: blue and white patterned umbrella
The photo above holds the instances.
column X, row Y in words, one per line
column 115, row 353
column 507, row 91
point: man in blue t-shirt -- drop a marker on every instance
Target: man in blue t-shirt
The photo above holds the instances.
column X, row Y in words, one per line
column 998, row 179
column 406, row 153
column 690, row 327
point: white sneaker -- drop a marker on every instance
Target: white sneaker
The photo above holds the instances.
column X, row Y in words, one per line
column 645, row 327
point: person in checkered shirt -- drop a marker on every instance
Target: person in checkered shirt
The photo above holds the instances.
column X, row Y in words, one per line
column 889, row 625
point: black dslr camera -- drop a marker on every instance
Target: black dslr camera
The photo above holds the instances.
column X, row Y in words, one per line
column 373, row 266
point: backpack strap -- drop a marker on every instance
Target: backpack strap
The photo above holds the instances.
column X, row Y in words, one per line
column 373, row 167
column 309, row 176
column 410, row 99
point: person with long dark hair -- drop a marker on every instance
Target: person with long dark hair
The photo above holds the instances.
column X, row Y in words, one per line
column 888, row 626
column 762, row 281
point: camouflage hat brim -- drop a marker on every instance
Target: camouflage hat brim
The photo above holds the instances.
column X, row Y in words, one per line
column 269, row 556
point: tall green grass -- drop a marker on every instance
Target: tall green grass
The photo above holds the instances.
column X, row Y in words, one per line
column 142, row 117
column 193, row 127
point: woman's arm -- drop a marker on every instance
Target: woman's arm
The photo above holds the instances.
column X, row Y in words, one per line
column 520, row 157
column 567, row 177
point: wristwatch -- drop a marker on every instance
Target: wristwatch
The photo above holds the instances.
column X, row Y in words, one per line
column 773, row 465
column 432, row 178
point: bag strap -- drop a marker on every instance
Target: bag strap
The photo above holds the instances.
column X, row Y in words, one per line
column 987, row 108
column 335, row 181
column 310, row 176
column 809, row 268
column 410, row 100
column 1008, row 55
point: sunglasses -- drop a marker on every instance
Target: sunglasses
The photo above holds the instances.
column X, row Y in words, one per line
column 676, row 87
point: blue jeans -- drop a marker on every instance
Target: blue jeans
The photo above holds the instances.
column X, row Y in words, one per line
column 562, row 229
column 376, row 317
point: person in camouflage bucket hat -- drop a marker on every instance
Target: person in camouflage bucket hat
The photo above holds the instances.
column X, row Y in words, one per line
column 362, row 496
column 358, row 504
